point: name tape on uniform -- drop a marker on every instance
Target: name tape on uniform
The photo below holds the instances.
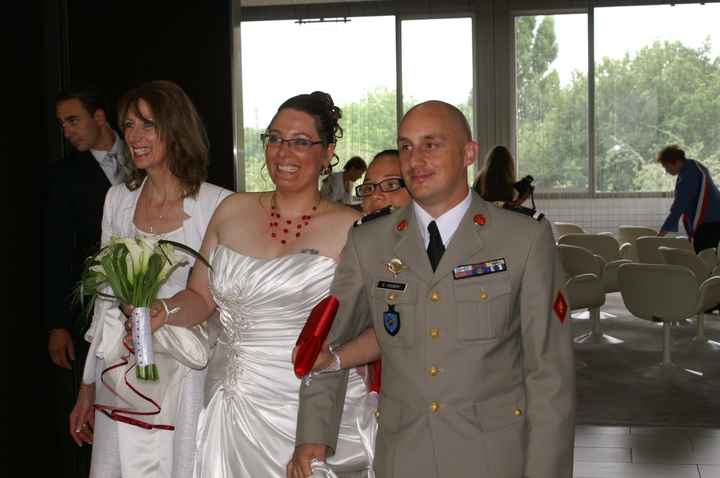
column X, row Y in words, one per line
column 399, row 286
column 479, row 269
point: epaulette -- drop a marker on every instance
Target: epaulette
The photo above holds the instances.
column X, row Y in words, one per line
column 533, row 213
column 374, row 215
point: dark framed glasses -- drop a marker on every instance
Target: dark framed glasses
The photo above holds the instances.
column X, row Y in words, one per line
column 298, row 144
column 386, row 185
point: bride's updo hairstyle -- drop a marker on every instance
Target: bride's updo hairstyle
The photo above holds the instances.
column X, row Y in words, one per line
column 320, row 106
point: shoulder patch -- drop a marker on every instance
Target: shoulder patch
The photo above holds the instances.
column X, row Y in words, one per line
column 533, row 213
column 373, row 215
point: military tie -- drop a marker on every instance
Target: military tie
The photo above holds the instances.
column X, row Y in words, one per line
column 435, row 248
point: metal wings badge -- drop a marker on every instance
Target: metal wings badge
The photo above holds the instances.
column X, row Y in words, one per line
column 395, row 267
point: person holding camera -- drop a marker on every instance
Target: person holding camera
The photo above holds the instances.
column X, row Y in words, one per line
column 497, row 181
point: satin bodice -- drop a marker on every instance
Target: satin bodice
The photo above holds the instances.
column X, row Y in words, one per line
column 248, row 425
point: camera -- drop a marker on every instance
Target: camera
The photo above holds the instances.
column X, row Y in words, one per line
column 524, row 186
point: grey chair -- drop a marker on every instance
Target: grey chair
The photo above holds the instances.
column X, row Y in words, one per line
column 647, row 247
column 709, row 294
column 710, row 257
column 666, row 293
column 585, row 289
column 604, row 246
column 562, row 228
column 627, row 235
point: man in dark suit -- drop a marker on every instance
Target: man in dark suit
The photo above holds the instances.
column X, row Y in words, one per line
column 72, row 223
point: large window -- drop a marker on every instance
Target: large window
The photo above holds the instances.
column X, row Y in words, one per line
column 437, row 62
column 656, row 82
column 353, row 60
column 551, row 100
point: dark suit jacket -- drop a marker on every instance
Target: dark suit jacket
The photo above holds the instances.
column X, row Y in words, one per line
column 73, row 213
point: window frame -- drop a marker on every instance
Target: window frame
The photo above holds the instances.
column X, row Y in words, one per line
column 591, row 191
column 239, row 140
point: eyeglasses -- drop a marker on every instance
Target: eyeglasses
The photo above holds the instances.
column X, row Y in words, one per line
column 386, row 185
column 297, row 144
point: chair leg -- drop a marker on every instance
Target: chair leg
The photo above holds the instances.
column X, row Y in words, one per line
column 700, row 341
column 700, row 326
column 596, row 335
column 667, row 360
column 667, row 369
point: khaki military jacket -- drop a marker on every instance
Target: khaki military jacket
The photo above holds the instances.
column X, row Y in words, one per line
column 479, row 378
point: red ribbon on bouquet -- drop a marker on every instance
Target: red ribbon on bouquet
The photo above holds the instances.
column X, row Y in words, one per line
column 122, row 414
column 313, row 334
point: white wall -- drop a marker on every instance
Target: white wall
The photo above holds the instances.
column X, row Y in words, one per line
column 606, row 214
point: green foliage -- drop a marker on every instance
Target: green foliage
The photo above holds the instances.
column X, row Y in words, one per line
column 369, row 126
column 665, row 93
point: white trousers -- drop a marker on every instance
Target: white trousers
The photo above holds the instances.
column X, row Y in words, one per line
column 121, row 450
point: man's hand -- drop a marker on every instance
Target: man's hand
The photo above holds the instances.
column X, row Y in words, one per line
column 61, row 348
column 82, row 417
column 299, row 466
column 661, row 233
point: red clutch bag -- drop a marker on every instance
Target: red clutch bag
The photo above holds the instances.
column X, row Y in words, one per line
column 313, row 335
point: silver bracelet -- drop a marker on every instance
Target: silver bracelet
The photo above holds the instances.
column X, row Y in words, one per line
column 168, row 311
column 335, row 365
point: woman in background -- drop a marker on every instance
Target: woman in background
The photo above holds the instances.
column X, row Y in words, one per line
column 497, row 178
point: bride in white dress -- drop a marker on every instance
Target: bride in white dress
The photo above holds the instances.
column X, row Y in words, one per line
column 273, row 258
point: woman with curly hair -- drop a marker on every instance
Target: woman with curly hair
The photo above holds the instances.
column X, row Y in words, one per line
column 273, row 257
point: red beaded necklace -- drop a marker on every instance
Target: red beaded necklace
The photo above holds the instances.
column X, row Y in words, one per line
column 283, row 229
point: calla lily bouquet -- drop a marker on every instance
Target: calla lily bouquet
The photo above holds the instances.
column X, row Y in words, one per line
column 135, row 269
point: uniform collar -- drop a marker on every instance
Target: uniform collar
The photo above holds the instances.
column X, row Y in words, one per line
column 447, row 222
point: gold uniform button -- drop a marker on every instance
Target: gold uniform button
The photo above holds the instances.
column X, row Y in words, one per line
column 433, row 371
column 434, row 296
column 483, row 295
column 434, row 406
column 391, row 297
column 434, row 333
column 518, row 412
column 377, row 413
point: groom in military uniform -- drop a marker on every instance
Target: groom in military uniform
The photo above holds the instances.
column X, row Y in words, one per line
column 467, row 304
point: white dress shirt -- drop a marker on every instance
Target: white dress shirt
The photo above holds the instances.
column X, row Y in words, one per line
column 111, row 161
column 447, row 223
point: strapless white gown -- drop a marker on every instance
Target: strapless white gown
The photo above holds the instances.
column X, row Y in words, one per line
column 247, row 428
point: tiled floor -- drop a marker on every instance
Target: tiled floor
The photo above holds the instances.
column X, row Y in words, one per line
column 646, row 452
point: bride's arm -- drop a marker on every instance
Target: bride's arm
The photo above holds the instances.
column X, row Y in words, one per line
column 361, row 350
column 195, row 304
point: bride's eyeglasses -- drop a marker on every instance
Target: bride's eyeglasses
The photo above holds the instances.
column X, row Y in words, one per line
column 386, row 185
column 296, row 144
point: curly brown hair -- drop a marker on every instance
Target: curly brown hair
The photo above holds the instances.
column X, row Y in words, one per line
column 179, row 126
column 321, row 107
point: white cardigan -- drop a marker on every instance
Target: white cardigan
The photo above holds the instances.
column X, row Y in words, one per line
column 187, row 346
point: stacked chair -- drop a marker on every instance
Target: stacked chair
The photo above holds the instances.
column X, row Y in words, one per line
column 669, row 294
column 707, row 285
column 562, row 228
column 627, row 235
column 585, row 289
column 648, row 247
column 604, row 246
